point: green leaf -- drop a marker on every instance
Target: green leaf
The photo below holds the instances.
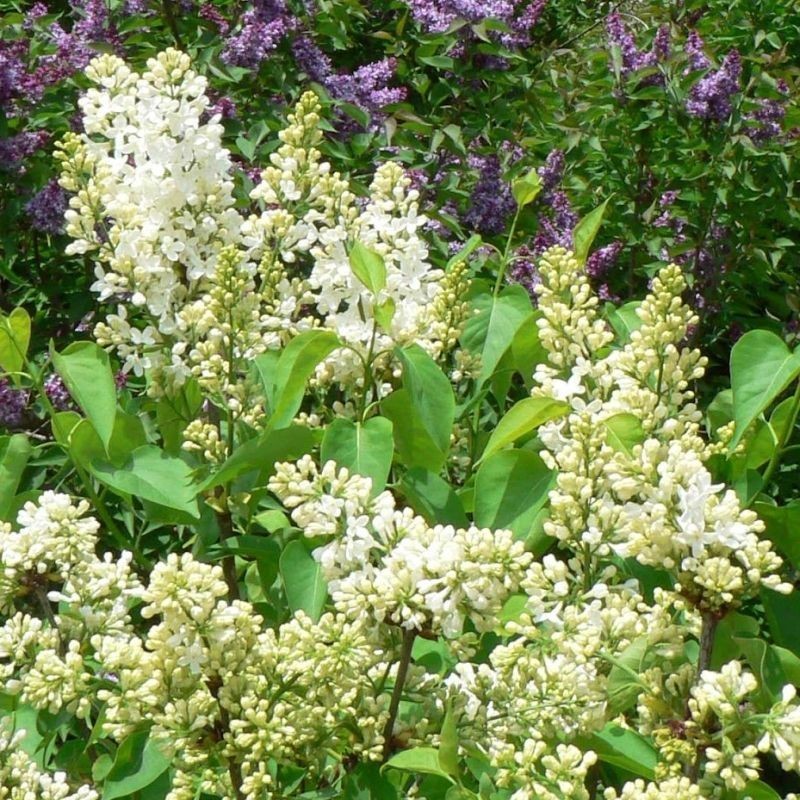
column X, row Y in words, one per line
column 261, row 454
column 624, row 685
column 364, row 448
column 418, row 759
column 14, row 454
column 384, row 313
column 624, row 431
column 586, row 230
column 762, row 366
column 625, row 748
column 138, row 763
column 430, row 393
column 783, row 528
column 526, row 189
column 151, row 474
column 368, row 266
column 510, row 488
column 448, row 743
column 782, row 612
column 433, row 498
column 85, row 369
column 415, row 447
column 491, row 331
column 758, row 790
column 473, row 243
column 522, row 418
column 15, row 336
column 295, row 366
column 624, row 320
column 303, row 583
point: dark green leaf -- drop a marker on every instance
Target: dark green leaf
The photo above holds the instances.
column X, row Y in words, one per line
column 364, row 448
column 85, row 369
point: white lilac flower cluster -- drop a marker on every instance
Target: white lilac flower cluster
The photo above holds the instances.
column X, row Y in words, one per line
column 211, row 683
column 632, row 480
column 631, row 483
column 21, row 778
column 389, row 563
column 201, row 289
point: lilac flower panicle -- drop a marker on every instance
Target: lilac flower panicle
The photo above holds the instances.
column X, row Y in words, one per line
column 264, row 26
column 766, row 122
column 366, row 87
column 601, row 260
column 17, row 148
column 552, row 171
column 210, row 12
column 523, row 271
column 710, row 97
column 518, row 16
column 695, row 50
column 491, row 201
column 633, row 59
column 57, row 393
column 13, row 402
column 46, row 210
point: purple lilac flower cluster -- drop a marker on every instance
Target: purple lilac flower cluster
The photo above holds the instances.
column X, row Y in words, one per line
column 518, row 16
column 46, row 209
column 57, row 393
column 263, row 28
column 558, row 219
column 23, row 82
column 13, row 402
column 766, row 122
column 366, row 87
column 710, row 97
column 634, row 59
column 491, row 202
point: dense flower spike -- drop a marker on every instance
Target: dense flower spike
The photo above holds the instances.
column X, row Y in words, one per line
column 200, row 290
column 389, row 563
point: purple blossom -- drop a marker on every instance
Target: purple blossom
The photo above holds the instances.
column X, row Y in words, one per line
column 710, row 97
column 17, row 148
column 668, row 198
column 12, row 69
column 210, row 12
column 766, row 121
column 694, row 48
column 632, row 58
column 519, row 16
column 263, row 28
column 552, row 172
column 224, row 107
column 366, row 87
column 46, row 209
column 523, row 271
column 491, row 201
column 13, row 402
column 602, row 259
column 56, row 392
column 120, row 379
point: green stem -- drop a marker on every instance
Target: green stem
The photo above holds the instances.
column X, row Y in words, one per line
column 504, row 265
column 780, row 447
column 402, row 671
column 172, row 22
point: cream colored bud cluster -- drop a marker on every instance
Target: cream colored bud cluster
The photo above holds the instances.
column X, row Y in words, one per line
column 389, row 564
column 203, row 437
column 200, row 290
column 51, row 559
column 449, row 310
column 669, row 789
column 21, row 778
column 206, row 678
column 630, row 458
column 569, row 326
column 550, row 684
